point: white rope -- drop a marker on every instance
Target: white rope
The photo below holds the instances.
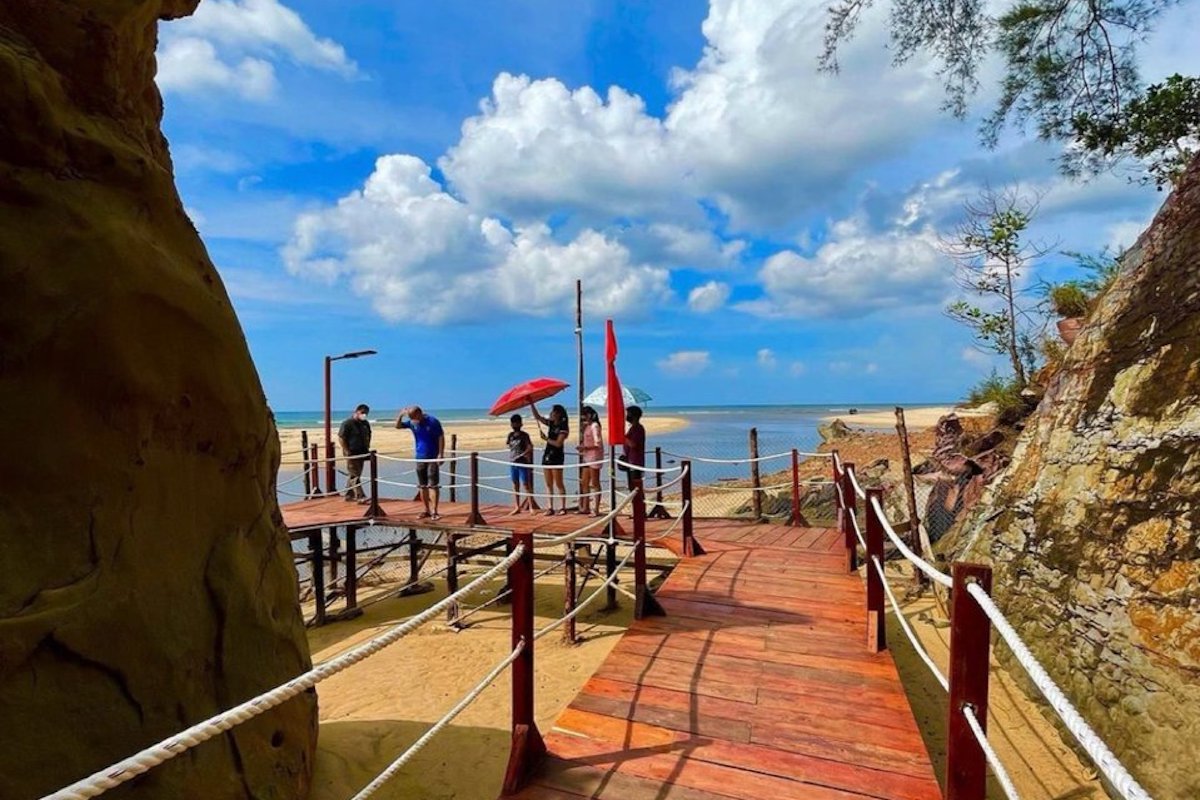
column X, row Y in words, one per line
column 747, row 460
column 998, row 769
column 480, row 452
column 934, row 574
column 837, row 462
column 1112, row 768
column 580, row 606
column 858, row 490
column 617, row 586
column 772, row 488
column 542, row 466
column 908, row 631
column 318, row 460
column 401, row 484
column 403, row 460
column 671, row 483
column 416, row 746
column 857, row 530
column 542, row 495
column 128, row 769
column 620, row 462
column 311, row 495
column 673, row 525
column 596, row 523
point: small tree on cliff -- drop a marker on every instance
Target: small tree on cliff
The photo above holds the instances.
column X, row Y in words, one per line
column 991, row 254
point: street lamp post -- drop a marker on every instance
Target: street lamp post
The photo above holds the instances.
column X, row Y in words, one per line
column 330, row 472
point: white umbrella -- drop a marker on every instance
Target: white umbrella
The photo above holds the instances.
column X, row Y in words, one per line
column 631, row 394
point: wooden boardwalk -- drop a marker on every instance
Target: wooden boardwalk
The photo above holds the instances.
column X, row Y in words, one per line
column 757, row 683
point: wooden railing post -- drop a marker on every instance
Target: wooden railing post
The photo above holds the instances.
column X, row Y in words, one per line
column 755, row 477
column 307, row 465
column 316, row 549
column 316, row 470
column 352, row 571
column 876, row 601
column 797, row 519
column 570, row 592
column 334, row 546
column 453, row 467
column 645, row 604
column 374, row 510
column 970, row 638
column 658, row 512
column 474, row 517
column 452, row 610
column 851, row 508
column 690, row 546
column 527, row 745
column 910, row 491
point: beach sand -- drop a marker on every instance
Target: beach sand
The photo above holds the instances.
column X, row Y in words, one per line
column 372, row 712
column 917, row 418
column 482, row 435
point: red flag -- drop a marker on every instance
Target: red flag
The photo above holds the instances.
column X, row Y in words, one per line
column 616, row 401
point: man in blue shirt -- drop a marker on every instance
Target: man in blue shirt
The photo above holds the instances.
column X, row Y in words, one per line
column 431, row 449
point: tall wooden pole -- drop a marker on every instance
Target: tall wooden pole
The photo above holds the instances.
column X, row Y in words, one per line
column 330, row 480
column 579, row 375
column 910, row 489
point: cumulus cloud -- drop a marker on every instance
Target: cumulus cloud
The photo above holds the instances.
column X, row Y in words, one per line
column 708, row 297
column 422, row 255
column 230, row 45
column 766, row 358
column 685, row 362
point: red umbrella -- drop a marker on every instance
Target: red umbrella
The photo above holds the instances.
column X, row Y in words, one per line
column 525, row 393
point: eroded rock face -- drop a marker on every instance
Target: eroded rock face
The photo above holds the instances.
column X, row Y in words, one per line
column 1097, row 543
column 146, row 580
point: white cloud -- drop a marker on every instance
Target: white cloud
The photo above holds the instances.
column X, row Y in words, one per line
column 708, row 297
column 685, row 362
column 188, row 64
column 975, row 357
column 230, row 45
column 766, row 358
column 422, row 255
column 871, row 368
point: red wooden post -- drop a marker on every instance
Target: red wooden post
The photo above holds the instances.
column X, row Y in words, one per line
column 755, row 477
column 527, row 745
column 316, row 470
column 851, row 508
column 352, row 571
column 658, row 512
column 316, row 551
column 876, row 608
column 373, row 510
column 453, row 467
column 475, row 518
column 690, row 546
column 307, row 465
column 970, row 637
column 570, row 590
column 797, row 520
column 645, row 604
column 452, row 610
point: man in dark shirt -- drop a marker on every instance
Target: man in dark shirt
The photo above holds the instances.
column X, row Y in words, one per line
column 355, row 439
column 634, row 450
column 520, row 452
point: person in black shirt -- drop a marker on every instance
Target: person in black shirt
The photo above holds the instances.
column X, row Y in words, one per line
column 553, row 457
column 355, row 438
column 520, row 451
column 635, row 444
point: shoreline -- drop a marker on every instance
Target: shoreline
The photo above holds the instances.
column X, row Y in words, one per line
column 917, row 418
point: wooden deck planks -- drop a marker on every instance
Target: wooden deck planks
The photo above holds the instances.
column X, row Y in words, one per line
column 757, row 683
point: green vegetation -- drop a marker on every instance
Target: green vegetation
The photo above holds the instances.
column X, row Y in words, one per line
column 1005, row 393
column 990, row 254
column 1070, row 300
column 1070, row 70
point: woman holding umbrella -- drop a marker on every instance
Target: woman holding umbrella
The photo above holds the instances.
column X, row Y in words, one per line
column 554, row 455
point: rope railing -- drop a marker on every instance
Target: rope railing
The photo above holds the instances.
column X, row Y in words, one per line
column 126, row 770
column 531, row 465
column 437, row 727
column 579, row 607
column 407, row 460
column 773, row 488
column 747, row 460
column 932, row 572
column 596, row 523
column 620, row 462
column 993, row 760
column 898, row 613
column 858, row 490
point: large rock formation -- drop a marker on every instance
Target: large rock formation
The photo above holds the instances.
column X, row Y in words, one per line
column 1096, row 544
column 145, row 580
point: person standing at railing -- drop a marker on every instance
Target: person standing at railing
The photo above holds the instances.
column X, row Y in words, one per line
column 634, row 449
column 591, row 451
column 355, row 439
column 554, row 455
column 430, row 446
column 520, row 451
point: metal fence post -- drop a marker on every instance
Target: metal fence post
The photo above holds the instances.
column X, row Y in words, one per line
column 755, row 477
column 970, row 638
column 527, row 745
column 876, row 610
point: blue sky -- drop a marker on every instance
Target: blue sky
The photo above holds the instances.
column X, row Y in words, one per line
column 428, row 180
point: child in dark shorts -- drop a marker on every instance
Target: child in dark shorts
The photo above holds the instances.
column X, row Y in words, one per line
column 520, row 451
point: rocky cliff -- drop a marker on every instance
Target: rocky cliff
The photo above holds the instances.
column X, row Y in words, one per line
column 1096, row 544
column 145, row 580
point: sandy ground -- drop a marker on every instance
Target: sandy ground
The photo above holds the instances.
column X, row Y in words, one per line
column 374, row 711
column 914, row 418
column 471, row 435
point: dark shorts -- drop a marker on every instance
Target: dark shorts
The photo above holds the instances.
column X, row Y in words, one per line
column 428, row 474
column 553, row 457
column 519, row 473
column 634, row 476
